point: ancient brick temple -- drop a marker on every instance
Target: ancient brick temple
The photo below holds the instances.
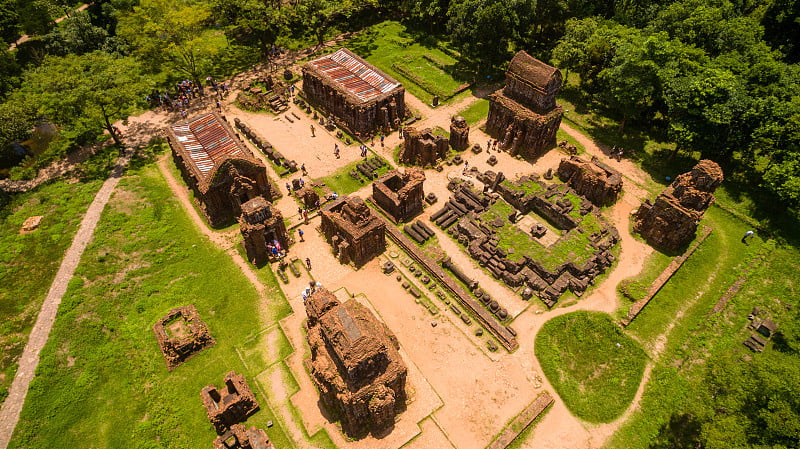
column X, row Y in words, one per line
column 231, row 405
column 400, row 194
column 239, row 437
column 422, row 148
column 459, row 133
column 220, row 170
column 524, row 115
column 361, row 97
column 261, row 225
column 598, row 182
column 353, row 230
column 181, row 334
column 354, row 363
column 671, row 221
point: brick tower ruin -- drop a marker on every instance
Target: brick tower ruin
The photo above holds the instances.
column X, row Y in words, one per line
column 353, row 230
column 524, row 115
column 422, row 148
column 355, row 363
column 400, row 195
column 261, row 225
column 231, row 405
column 459, row 133
column 671, row 221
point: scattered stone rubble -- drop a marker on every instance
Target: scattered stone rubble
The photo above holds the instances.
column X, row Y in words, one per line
column 254, row 98
column 231, row 405
column 355, row 363
column 363, row 98
column 239, row 437
column 353, row 230
column 459, row 133
column 463, row 216
column 31, row 223
column 671, row 221
column 422, row 148
column 261, row 225
column 595, row 180
column 399, row 194
column 765, row 329
column 181, row 334
column 524, row 115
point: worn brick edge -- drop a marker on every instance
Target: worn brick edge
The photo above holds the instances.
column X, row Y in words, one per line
column 525, row 418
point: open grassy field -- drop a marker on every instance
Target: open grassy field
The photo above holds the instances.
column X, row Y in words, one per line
column 342, row 183
column 29, row 262
column 475, row 112
column 678, row 401
column 595, row 368
column 102, row 381
column 424, row 64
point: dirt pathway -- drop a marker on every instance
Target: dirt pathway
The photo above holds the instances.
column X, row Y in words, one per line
column 9, row 414
column 24, row 38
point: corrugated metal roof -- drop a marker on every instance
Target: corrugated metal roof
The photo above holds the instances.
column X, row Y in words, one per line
column 354, row 75
column 206, row 141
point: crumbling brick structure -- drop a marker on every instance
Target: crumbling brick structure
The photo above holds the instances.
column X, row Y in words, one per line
column 362, row 97
column 231, row 405
column 309, row 197
column 524, row 115
column 239, row 437
column 671, row 221
column 459, row 133
column 353, row 230
column 471, row 218
column 181, row 334
column 355, row 363
column 595, row 180
column 422, row 148
column 400, row 194
column 221, row 171
column 261, row 225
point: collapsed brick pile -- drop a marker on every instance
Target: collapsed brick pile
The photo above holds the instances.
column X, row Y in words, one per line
column 181, row 334
column 464, row 218
column 595, row 180
column 354, row 363
column 400, row 194
column 422, row 148
column 671, row 221
column 239, row 437
column 353, row 230
column 231, row 405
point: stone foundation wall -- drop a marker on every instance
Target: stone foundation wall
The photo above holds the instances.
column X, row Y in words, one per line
column 519, row 130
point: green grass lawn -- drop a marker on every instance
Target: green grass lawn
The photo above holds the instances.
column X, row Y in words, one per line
column 475, row 112
column 29, row 262
column 102, row 381
column 424, row 64
column 342, row 183
column 595, row 368
column 678, row 400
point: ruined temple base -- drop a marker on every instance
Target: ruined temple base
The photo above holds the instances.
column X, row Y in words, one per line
column 522, row 131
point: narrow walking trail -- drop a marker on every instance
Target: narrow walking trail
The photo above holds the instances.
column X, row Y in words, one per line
column 9, row 414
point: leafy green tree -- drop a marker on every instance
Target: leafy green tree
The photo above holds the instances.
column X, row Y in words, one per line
column 705, row 112
column 483, row 30
column 432, row 13
column 87, row 92
column 173, row 33
column 16, row 120
column 254, row 22
column 781, row 23
column 9, row 21
column 75, row 34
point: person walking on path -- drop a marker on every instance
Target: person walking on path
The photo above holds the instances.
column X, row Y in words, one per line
column 308, row 263
column 219, row 106
column 300, row 232
column 305, row 216
column 312, row 131
column 382, row 136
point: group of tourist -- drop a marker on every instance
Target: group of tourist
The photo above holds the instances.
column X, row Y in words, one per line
column 183, row 95
column 275, row 249
column 617, row 152
column 492, row 144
